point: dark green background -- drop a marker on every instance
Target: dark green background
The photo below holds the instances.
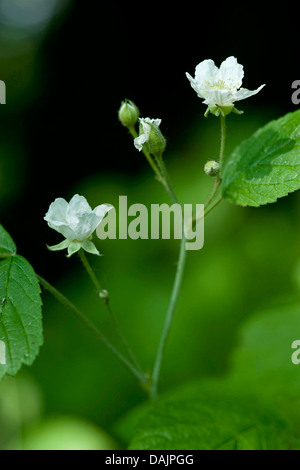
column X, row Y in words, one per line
column 60, row 135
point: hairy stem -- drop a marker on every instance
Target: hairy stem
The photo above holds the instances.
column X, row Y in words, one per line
column 223, row 138
column 168, row 184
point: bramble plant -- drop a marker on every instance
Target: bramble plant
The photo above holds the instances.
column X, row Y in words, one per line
column 259, row 171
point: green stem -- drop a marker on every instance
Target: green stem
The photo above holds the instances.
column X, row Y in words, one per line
column 113, row 317
column 218, row 180
column 165, row 179
column 89, row 270
column 148, row 157
column 169, row 317
column 176, row 286
column 215, row 198
column 223, row 138
column 215, row 203
column 92, row 327
column 168, row 184
column 162, row 175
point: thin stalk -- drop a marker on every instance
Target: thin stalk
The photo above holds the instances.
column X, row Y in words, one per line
column 89, row 270
column 223, row 138
column 176, row 287
column 92, row 327
column 169, row 186
column 148, row 157
column 215, row 198
column 169, row 317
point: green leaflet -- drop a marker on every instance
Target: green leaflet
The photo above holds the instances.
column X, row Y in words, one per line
column 210, row 416
column 20, row 309
column 266, row 166
column 7, row 245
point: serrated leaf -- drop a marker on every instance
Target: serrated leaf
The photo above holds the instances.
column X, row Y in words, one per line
column 266, row 166
column 20, row 314
column 209, row 417
column 7, row 245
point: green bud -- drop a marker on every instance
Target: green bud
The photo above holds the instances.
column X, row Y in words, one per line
column 128, row 113
column 212, row 168
column 104, row 294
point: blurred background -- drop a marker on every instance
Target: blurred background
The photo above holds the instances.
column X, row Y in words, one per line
column 67, row 66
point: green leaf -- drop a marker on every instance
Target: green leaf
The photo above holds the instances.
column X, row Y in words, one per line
column 266, row 166
column 262, row 363
column 209, row 416
column 263, row 360
column 20, row 314
column 7, row 245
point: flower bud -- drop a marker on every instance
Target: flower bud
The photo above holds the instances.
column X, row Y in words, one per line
column 212, row 168
column 150, row 138
column 128, row 113
column 104, row 294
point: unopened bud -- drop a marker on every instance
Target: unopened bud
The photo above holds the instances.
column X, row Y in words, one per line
column 128, row 113
column 212, row 168
column 104, row 294
column 150, row 138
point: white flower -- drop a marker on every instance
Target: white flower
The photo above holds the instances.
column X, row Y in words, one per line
column 151, row 135
column 2, row 353
column 220, row 86
column 76, row 221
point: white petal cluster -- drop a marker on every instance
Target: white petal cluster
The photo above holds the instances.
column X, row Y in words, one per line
column 76, row 221
column 146, row 125
column 220, row 86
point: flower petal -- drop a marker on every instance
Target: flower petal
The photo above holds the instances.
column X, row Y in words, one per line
column 84, row 225
column 102, row 210
column 243, row 93
column 57, row 211
column 206, row 71
column 231, row 72
column 218, row 97
column 140, row 141
column 57, row 218
column 155, row 122
column 194, row 85
column 79, row 205
column 63, row 229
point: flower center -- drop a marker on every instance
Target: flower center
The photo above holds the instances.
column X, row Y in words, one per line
column 221, row 85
